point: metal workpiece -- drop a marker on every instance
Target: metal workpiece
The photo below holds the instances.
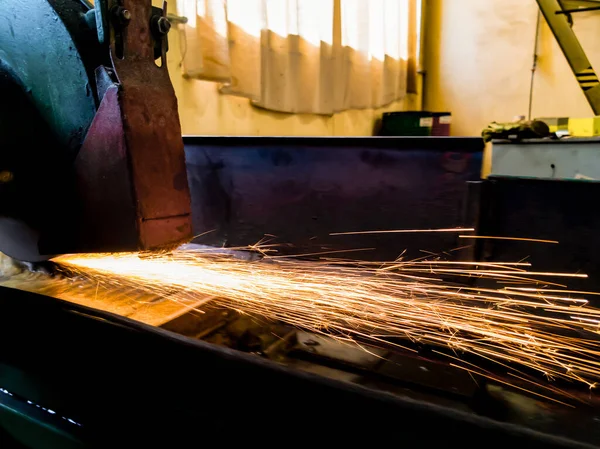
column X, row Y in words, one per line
column 552, row 209
column 190, row 373
column 301, row 189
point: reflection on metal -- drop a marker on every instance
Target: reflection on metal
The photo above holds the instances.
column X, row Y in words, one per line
column 570, row 11
column 301, row 190
column 560, row 23
column 177, row 19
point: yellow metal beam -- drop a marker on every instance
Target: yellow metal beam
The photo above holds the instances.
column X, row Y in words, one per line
column 587, row 78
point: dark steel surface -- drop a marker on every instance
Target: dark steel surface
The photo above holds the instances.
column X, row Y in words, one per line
column 472, row 215
column 544, row 209
column 25, row 425
column 132, row 385
column 302, row 189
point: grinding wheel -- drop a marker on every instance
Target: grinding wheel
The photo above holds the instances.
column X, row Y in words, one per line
column 48, row 103
column 91, row 153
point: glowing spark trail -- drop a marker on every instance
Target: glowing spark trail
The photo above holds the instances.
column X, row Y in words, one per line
column 550, row 333
column 520, row 239
column 405, row 231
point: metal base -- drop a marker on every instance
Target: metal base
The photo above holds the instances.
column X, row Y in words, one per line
column 115, row 381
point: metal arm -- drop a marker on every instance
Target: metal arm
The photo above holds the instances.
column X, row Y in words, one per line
column 567, row 40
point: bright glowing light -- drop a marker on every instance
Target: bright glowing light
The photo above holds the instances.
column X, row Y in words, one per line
column 315, row 21
column 216, row 12
column 246, row 14
column 377, row 28
column 403, row 16
column 188, row 8
column 550, row 332
column 355, row 23
column 419, row 30
column 312, row 20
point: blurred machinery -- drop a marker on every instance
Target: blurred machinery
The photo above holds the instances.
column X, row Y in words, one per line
column 92, row 154
column 93, row 160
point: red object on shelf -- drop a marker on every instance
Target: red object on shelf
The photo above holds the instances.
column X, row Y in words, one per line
column 441, row 123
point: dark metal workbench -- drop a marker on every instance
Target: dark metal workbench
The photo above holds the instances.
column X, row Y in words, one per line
column 301, row 189
column 114, row 382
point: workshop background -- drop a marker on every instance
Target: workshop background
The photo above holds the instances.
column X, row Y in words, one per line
column 161, row 290
column 468, row 50
column 205, row 111
column 479, row 56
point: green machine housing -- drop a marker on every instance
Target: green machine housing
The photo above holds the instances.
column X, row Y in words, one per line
column 91, row 153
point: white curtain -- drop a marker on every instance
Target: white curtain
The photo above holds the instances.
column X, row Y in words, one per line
column 304, row 56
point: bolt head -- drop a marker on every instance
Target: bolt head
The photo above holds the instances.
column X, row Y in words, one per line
column 163, row 25
column 121, row 15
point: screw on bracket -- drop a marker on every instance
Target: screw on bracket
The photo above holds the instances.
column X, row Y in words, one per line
column 161, row 25
column 121, row 15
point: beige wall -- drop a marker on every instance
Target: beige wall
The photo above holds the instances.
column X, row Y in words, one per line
column 478, row 56
column 204, row 111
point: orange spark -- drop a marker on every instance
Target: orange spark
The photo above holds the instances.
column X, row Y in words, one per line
column 549, row 332
column 404, row 231
column 520, row 239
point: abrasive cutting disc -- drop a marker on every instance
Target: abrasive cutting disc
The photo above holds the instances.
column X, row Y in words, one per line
column 47, row 102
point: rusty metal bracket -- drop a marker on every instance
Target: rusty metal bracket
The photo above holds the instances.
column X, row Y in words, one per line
column 131, row 169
